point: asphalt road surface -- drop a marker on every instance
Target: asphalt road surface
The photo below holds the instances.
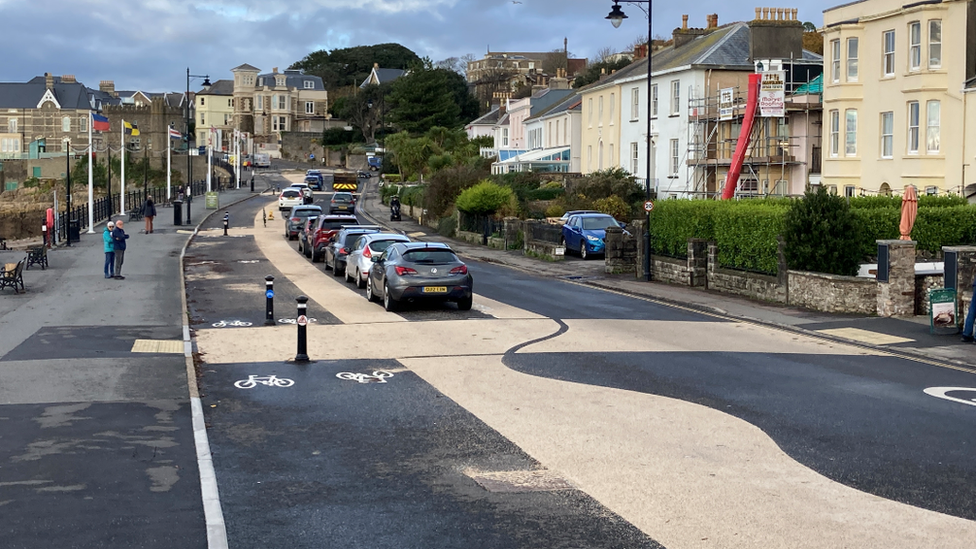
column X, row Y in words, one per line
column 558, row 415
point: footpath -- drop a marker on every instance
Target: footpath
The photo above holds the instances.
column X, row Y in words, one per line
column 908, row 336
column 97, row 441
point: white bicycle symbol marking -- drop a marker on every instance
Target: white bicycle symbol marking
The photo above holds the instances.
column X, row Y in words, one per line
column 293, row 320
column 378, row 376
column 232, row 323
column 270, row 381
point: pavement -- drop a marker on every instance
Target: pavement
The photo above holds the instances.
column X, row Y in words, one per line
column 97, row 445
column 898, row 336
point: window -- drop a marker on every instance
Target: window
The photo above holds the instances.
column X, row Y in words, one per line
column 66, row 124
column 227, row 119
column 203, row 101
column 260, row 102
column 9, row 145
column 634, row 103
column 309, row 84
column 203, row 118
column 835, row 60
column 852, row 59
column 915, row 45
column 634, row 157
column 889, row 53
column 913, row 127
column 675, row 159
column 599, row 156
column 613, row 107
column 834, row 133
column 589, row 111
column 932, row 115
column 274, row 101
column 12, row 125
column 589, row 158
column 309, row 107
column 230, row 103
column 849, row 191
column 675, row 97
column 850, row 132
column 274, row 124
column 887, row 134
column 504, row 137
column 599, row 109
column 654, row 101
column 935, row 43
column 83, row 124
column 932, row 191
column 281, row 102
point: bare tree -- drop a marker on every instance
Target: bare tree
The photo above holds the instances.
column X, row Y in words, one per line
column 556, row 59
column 605, row 54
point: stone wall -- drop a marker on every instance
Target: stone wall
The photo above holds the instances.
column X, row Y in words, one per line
column 621, row 252
column 669, row 269
column 924, row 283
column 896, row 297
column 754, row 285
column 833, row 293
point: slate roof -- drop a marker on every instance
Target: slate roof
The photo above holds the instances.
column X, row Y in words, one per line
column 220, row 87
column 546, row 98
column 26, row 95
column 293, row 79
column 489, row 119
column 559, row 106
column 245, row 67
column 383, row 76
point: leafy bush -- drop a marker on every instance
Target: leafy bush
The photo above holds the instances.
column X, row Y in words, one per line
column 555, row 210
column 544, row 193
column 387, row 191
column 412, row 196
column 821, row 235
column 484, row 198
column 391, row 177
column 615, row 206
column 447, row 226
column 445, row 185
column 673, row 222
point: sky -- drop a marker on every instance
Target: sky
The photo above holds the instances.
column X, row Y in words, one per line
column 148, row 45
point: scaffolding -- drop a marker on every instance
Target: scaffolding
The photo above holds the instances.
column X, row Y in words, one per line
column 782, row 155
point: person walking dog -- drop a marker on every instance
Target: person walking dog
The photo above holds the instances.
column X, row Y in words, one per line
column 109, row 246
column 149, row 212
column 118, row 238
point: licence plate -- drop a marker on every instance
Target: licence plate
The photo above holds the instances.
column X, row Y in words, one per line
column 434, row 289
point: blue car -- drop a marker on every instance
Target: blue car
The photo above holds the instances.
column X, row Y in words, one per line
column 585, row 233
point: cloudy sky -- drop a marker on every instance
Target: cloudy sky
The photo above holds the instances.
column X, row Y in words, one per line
column 148, row 44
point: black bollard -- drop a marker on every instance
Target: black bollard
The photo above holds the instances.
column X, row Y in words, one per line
column 302, row 322
column 269, row 294
column 252, row 183
column 226, row 222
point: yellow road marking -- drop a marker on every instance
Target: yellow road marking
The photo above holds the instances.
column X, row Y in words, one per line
column 174, row 346
column 416, row 234
column 865, row 336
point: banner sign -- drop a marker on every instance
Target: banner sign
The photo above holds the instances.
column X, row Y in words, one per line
column 772, row 94
column 726, row 103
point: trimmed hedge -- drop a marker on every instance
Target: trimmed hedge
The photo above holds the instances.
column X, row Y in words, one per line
column 673, row 222
column 937, row 227
column 746, row 236
column 875, row 223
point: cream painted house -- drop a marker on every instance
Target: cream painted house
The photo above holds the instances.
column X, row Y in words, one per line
column 215, row 114
column 894, row 99
column 600, row 123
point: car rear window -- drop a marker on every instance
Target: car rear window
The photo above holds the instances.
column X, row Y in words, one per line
column 599, row 223
column 337, row 224
column 305, row 213
column 342, row 198
column 430, row 256
column 289, row 193
column 381, row 245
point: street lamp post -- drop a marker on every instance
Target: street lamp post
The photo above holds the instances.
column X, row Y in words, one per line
column 189, row 164
column 617, row 17
column 67, row 188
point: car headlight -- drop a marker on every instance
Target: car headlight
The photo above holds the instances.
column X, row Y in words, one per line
column 593, row 239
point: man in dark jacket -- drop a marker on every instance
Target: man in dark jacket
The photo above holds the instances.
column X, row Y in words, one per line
column 967, row 327
column 119, row 237
column 148, row 213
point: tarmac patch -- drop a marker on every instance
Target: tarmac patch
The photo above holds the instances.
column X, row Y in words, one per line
column 509, row 482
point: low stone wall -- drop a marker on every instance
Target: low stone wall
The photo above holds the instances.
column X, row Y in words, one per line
column 469, row 237
column 833, row 293
column 754, row 285
column 924, row 283
column 669, row 269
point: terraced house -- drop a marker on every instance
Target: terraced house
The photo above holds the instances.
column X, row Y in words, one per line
column 898, row 102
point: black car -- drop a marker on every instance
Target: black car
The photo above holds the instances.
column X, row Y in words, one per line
column 338, row 251
column 296, row 219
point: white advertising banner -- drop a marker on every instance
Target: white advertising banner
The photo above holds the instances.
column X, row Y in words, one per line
column 772, row 94
column 726, row 103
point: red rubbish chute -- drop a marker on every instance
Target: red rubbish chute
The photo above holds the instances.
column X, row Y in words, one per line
column 732, row 179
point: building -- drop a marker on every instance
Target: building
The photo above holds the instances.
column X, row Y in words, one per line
column 379, row 76
column 508, row 71
column 601, row 117
column 896, row 96
column 511, row 138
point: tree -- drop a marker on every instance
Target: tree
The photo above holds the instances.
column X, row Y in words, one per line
column 491, row 81
column 453, row 64
column 425, row 97
column 813, row 41
column 351, row 66
column 821, row 235
column 809, row 27
column 554, row 60
column 410, row 154
column 367, row 110
column 594, row 70
column 485, row 198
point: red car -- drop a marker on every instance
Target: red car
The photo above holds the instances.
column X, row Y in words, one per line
column 326, row 227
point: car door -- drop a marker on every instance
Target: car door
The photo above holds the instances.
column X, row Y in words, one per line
column 572, row 232
column 376, row 272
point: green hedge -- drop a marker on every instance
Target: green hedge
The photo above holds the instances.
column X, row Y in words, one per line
column 937, row 227
column 673, row 222
column 875, row 223
column 746, row 236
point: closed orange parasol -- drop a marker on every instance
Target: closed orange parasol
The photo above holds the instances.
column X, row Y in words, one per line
column 909, row 210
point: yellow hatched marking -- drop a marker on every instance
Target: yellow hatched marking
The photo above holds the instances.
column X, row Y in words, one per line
column 416, row 234
column 174, row 346
column 865, row 336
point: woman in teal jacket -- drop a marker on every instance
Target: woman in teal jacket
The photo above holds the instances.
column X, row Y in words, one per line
column 109, row 246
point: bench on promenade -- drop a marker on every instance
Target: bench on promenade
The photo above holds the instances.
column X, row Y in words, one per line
column 37, row 255
column 13, row 277
column 135, row 214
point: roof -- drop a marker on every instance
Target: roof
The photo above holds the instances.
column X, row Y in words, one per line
column 559, row 106
column 220, row 87
column 293, row 79
column 382, row 76
column 19, row 95
column 245, row 67
column 535, row 155
column 489, row 119
column 546, row 98
column 812, row 87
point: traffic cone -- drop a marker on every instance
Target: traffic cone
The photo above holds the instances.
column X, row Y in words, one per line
column 271, row 215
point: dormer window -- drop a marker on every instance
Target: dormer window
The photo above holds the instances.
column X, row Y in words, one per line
column 309, row 84
column 280, row 81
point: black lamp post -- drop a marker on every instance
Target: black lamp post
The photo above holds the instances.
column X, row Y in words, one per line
column 617, row 17
column 67, row 188
column 189, row 164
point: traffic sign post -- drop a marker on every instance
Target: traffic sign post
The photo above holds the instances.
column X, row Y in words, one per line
column 269, row 295
column 302, row 355
column 648, row 206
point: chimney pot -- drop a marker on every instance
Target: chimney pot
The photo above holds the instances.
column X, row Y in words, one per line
column 795, row 12
column 684, row 22
column 714, row 20
column 275, row 70
column 779, row 14
column 765, row 13
column 758, row 13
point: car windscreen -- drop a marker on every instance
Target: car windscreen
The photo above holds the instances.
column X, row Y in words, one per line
column 290, row 193
column 437, row 257
column 381, row 245
column 598, row 223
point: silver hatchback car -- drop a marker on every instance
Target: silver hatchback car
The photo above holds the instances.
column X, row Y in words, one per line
column 419, row 271
column 360, row 259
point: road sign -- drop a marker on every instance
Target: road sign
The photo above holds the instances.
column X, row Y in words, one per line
column 302, row 320
column 213, row 202
column 269, row 294
column 648, row 206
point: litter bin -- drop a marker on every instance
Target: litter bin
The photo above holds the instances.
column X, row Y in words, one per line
column 177, row 212
column 74, row 231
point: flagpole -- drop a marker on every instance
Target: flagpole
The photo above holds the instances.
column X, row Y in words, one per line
column 237, row 158
column 169, row 162
column 91, row 180
column 122, row 180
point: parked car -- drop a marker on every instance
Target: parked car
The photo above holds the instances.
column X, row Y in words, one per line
column 314, row 181
column 326, row 227
column 296, row 218
column 586, row 232
column 565, row 217
column 419, row 271
column 367, row 246
column 342, row 202
column 338, row 250
column 288, row 198
column 363, row 175
column 304, row 233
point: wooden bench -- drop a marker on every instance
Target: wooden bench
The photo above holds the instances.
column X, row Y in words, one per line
column 13, row 278
column 135, row 214
column 37, row 255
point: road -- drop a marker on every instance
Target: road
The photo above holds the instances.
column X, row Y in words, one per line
column 558, row 415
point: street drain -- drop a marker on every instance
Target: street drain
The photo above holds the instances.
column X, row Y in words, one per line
column 519, row 481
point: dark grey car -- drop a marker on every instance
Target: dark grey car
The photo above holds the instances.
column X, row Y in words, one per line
column 296, row 218
column 419, row 271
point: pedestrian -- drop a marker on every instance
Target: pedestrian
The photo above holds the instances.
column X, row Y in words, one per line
column 967, row 327
column 109, row 246
column 149, row 212
column 118, row 238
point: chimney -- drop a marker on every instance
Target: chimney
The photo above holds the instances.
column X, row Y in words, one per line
column 107, row 86
column 49, row 80
column 376, row 65
column 713, row 21
column 684, row 22
column 68, row 79
column 684, row 35
column 775, row 34
column 274, row 70
column 603, row 74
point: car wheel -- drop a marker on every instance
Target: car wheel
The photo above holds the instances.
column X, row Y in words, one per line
column 325, row 259
column 464, row 304
column 370, row 295
column 583, row 252
column 316, row 257
column 359, row 280
column 389, row 303
column 346, row 274
column 335, row 269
